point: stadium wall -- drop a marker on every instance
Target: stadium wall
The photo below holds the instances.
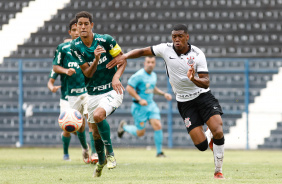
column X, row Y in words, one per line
column 31, row 18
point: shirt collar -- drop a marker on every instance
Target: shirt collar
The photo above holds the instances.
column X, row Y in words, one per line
column 189, row 45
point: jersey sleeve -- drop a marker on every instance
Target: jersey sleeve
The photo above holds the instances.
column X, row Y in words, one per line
column 112, row 46
column 59, row 56
column 158, row 50
column 201, row 63
column 133, row 81
column 77, row 54
column 53, row 75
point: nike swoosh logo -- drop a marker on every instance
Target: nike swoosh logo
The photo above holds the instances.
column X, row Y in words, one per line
column 171, row 57
column 214, row 107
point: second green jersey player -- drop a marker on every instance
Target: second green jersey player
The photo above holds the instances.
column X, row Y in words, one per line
column 93, row 52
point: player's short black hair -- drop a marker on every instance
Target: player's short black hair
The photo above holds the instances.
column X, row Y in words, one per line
column 72, row 22
column 84, row 14
column 180, row 27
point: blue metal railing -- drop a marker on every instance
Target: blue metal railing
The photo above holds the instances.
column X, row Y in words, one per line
column 170, row 111
column 20, row 107
column 247, row 100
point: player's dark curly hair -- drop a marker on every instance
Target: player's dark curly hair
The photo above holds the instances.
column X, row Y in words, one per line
column 84, row 14
column 72, row 22
column 180, row 27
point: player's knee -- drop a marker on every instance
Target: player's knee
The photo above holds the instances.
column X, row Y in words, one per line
column 217, row 133
column 140, row 133
column 98, row 118
column 158, row 127
column 66, row 134
column 203, row 146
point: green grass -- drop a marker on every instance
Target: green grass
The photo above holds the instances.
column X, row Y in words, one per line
column 45, row 165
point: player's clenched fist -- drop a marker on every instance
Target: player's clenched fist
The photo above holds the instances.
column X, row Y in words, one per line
column 70, row 71
column 191, row 73
column 98, row 51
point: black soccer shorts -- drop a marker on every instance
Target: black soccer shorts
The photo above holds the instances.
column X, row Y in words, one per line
column 196, row 112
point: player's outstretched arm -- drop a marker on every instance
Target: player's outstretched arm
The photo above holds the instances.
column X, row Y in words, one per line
column 202, row 81
column 160, row 92
column 136, row 53
column 89, row 71
column 62, row 70
column 117, row 86
column 51, row 86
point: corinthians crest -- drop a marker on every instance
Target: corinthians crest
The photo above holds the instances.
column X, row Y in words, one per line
column 190, row 61
column 187, row 122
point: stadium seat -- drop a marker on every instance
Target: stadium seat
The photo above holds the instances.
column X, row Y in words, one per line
column 9, row 8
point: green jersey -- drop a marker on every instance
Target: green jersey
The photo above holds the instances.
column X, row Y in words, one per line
column 75, row 84
column 101, row 82
column 54, row 75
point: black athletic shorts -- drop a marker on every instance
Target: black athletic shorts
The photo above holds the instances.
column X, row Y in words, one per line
column 198, row 111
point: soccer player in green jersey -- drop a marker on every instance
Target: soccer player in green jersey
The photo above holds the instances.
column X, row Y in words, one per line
column 64, row 105
column 66, row 65
column 105, row 90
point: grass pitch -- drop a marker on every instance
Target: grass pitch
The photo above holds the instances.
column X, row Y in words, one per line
column 136, row 166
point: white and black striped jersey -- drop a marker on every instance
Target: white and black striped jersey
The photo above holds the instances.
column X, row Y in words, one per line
column 177, row 67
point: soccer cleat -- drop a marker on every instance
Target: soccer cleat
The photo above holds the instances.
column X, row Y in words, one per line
column 111, row 162
column 94, row 158
column 66, row 157
column 218, row 175
column 120, row 130
column 85, row 155
column 161, row 154
column 98, row 169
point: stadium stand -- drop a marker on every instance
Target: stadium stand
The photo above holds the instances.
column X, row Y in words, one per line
column 227, row 29
column 236, row 29
column 9, row 9
column 274, row 141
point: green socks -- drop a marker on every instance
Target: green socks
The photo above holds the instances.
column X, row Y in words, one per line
column 92, row 145
column 82, row 138
column 66, row 143
column 105, row 132
column 99, row 145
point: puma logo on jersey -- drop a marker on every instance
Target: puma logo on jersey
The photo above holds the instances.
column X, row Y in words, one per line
column 100, row 39
column 76, row 43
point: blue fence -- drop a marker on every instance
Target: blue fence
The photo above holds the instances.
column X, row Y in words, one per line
column 246, row 70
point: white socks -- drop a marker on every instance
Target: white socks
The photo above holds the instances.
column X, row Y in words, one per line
column 218, row 154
